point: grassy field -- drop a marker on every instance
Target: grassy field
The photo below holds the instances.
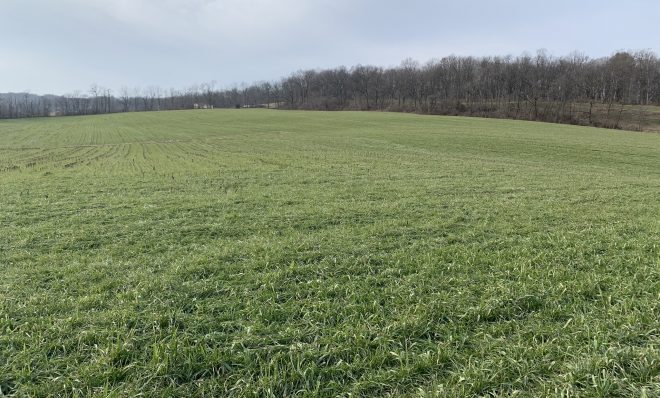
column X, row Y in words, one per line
column 271, row 253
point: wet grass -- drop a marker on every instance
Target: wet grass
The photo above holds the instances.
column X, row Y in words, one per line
column 271, row 254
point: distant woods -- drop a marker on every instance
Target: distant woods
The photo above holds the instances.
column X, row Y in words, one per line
column 571, row 89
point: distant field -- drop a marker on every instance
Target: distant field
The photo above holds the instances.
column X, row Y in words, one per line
column 274, row 253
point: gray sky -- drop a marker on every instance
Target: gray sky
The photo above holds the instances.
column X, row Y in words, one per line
column 58, row 46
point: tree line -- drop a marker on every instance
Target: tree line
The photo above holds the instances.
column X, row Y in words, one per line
column 573, row 89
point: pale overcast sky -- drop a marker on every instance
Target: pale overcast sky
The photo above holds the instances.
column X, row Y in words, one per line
column 58, row 46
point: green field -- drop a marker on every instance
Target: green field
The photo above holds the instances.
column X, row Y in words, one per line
column 272, row 253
